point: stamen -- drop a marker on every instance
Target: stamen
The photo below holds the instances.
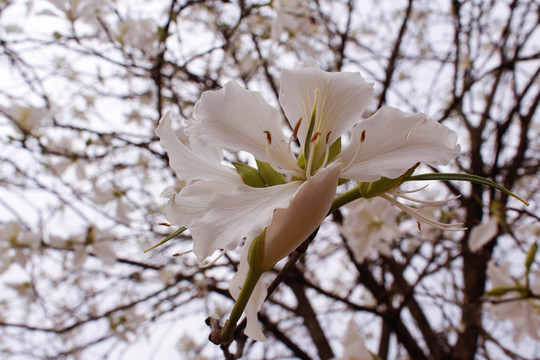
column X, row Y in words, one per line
column 422, row 218
column 164, row 224
column 326, row 151
column 295, row 169
column 425, row 202
column 294, row 135
column 183, row 253
column 315, row 136
column 328, row 137
column 268, row 136
column 412, row 191
column 419, row 226
column 358, row 148
column 296, row 128
column 212, row 262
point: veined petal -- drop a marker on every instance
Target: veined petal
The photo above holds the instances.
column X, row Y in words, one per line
column 340, row 101
column 192, row 201
column 187, row 164
column 256, row 300
column 292, row 225
column 392, row 141
column 243, row 213
column 238, row 119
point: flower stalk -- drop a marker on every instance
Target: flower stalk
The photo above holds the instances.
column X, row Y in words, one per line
column 227, row 333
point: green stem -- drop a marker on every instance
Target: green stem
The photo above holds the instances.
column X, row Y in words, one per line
column 344, row 199
column 252, row 278
column 465, row 177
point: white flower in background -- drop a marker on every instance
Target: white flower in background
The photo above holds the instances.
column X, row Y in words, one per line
column 26, row 120
column 85, row 10
column 353, row 343
column 523, row 313
column 16, row 245
column 293, row 18
column 110, row 196
column 93, row 241
column 370, row 223
column 139, row 33
column 292, row 190
column 483, row 233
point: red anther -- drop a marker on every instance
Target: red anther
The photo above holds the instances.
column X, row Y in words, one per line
column 315, row 136
column 419, row 227
column 328, row 137
column 268, row 137
column 295, row 130
column 363, row 136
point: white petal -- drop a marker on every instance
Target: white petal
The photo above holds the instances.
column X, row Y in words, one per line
column 368, row 223
column 354, row 345
column 187, row 164
column 341, row 99
column 482, row 234
column 292, row 225
column 237, row 119
column 253, row 329
column 393, row 142
column 499, row 275
column 232, row 216
column 192, row 201
column 105, row 252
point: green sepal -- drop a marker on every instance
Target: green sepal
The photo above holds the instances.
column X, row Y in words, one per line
column 269, row 175
column 529, row 259
column 342, row 181
column 172, row 236
column 375, row 188
column 503, row 290
column 465, row 177
column 256, row 252
column 249, row 175
column 334, row 150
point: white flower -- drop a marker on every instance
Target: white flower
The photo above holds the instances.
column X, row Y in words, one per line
column 220, row 209
column 370, row 223
column 524, row 313
column 353, row 342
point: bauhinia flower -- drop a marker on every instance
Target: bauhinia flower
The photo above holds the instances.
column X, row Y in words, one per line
column 276, row 205
column 370, row 223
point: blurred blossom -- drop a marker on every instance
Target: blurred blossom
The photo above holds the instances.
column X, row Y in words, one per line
column 27, row 120
column 353, row 343
column 483, row 233
column 370, row 224
column 523, row 313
